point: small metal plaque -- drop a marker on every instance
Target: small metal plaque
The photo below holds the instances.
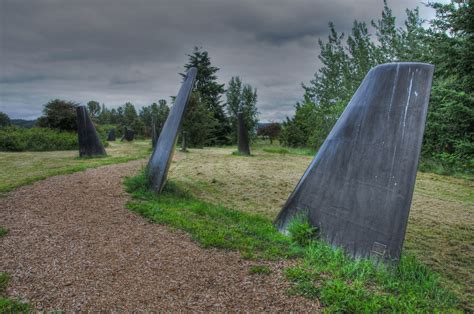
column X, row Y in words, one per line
column 379, row 249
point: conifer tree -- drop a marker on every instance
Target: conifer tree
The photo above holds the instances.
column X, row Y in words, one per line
column 209, row 93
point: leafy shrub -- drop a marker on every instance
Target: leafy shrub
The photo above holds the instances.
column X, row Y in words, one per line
column 14, row 139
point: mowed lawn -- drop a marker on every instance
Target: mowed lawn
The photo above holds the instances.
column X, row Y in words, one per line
column 17, row 169
column 440, row 229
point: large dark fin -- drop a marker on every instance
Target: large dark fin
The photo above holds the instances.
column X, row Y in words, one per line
column 89, row 142
column 358, row 188
column 158, row 165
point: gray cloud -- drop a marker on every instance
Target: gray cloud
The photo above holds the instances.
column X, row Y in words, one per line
column 115, row 51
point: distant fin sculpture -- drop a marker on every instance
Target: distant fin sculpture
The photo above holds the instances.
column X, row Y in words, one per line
column 242, row 135
column 111, row 135
column 89, row 142
column 160, row 160
column 358, row 189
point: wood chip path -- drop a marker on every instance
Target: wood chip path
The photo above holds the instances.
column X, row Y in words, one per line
column 73, row 246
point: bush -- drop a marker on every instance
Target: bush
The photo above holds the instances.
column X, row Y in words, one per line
column 59, row 114
column 14, row 139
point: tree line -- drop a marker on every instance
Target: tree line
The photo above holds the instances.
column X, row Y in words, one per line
column 209, row 120
column 447, row 43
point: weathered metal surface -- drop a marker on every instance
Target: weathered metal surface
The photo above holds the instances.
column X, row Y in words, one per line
column 158, row 165
column 89, row 142
column 358, row 189
column 242, row 135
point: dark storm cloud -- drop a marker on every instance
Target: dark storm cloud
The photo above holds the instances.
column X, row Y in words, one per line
column 116, row 51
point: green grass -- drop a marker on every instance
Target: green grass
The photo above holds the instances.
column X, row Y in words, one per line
column 341, row 283
column 276, row 148
column 463, row 171
column 22, row 168
column 210, row 225
column 3, row 231
column 4, row 279
column 8, row 305
column 260, row 270
column 237, row 153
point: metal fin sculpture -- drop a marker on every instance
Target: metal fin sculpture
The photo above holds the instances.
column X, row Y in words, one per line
column 154, row 134
column 242, row 135
column 89, row 142
column 128, row 135
column 160, row 160
column 111, row 135
column 358, row 189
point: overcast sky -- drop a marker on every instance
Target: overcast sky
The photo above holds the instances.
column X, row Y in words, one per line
column 115, row 51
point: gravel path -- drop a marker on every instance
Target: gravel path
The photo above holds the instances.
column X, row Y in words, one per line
column 72, row 246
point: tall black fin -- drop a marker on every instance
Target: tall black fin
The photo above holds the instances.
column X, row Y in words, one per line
column 242, row 135
column 158, row 165
column 89, row 142
column 358, row 188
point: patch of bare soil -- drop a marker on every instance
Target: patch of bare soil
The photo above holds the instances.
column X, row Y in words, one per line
column 72, row 246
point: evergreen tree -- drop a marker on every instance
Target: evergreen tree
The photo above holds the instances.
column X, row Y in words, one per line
column 209, row 94
column 199, row 123
column 4, row 120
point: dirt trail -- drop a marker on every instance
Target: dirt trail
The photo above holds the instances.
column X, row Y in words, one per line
column 72, row 246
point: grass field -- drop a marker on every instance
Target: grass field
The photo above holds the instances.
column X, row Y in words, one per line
column 17, row 169
column 441, row 225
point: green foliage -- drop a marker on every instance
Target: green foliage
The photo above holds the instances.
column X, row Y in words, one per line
column 93, row 107
column 209, row 95
column 3, row 231
column 199, row 123
column 269, row 131
column 156, row 113
column 59, row 114
column 4, row 279
column 9, row 305
column 36, row 139
column 447, row 43
column 242, row 98
column 260, row 270
column 4, row 120
column 343, row 284
column 210, row 225
column 449, row 136
column 13, row 306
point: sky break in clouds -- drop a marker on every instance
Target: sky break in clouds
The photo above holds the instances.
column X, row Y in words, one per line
column 115, row 51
